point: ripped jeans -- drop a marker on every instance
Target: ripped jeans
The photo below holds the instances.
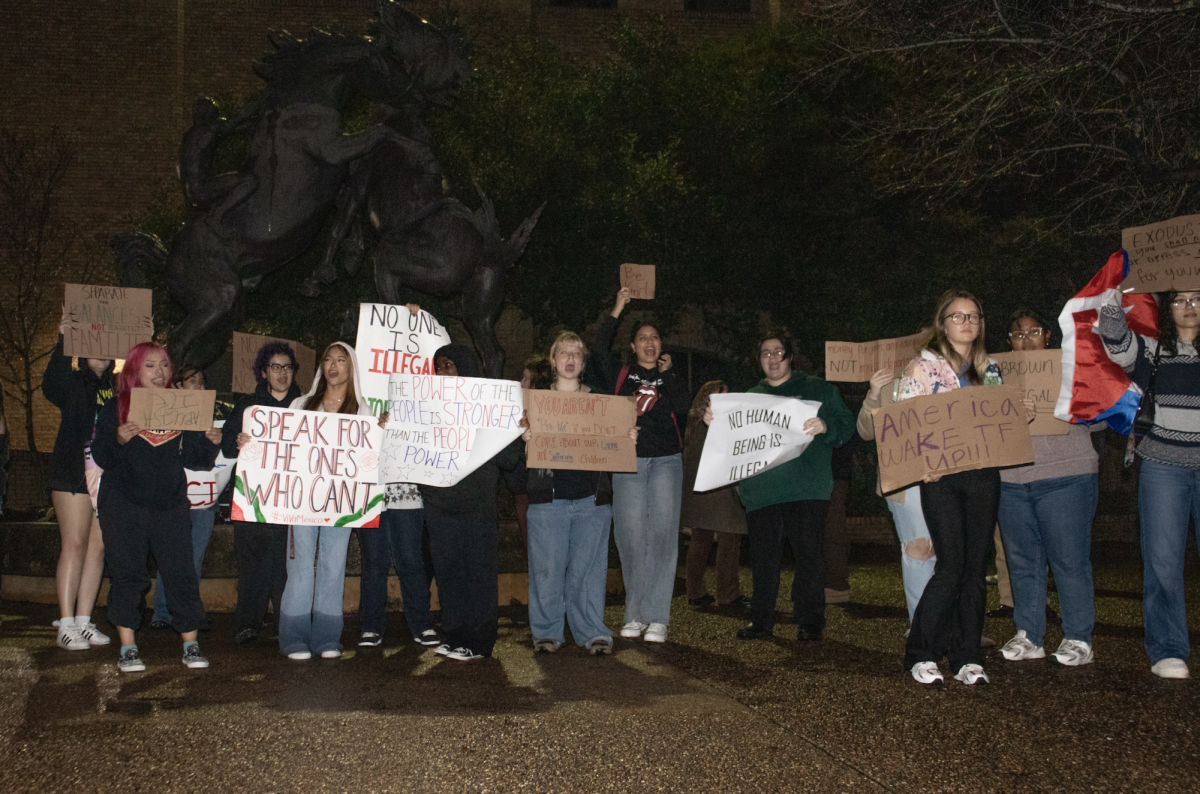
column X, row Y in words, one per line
column 914, row 539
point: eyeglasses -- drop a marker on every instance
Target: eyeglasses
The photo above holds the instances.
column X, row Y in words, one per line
column 1032, row 333
column 769, row 355
column 278, row 368
column 1179, row 303
column 958, row 318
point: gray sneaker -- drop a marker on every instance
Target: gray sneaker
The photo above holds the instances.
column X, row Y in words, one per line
column 193, row 659
column 130, row 662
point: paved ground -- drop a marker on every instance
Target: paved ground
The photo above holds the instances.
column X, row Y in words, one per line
column 703, row 713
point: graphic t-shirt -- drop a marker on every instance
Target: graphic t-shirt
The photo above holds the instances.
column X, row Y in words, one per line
column 402, row 496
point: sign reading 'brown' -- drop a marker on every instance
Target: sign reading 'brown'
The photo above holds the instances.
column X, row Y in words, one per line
column 856, row 362
column 1039, row 374
column 978, row 427
column 573, row 430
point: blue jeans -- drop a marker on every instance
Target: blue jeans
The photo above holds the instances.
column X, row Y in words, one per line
column 398, row 540
column 646, row 528
column 568, row 568
column 1166, row 495
column 1050, row 521
column 910, row 526
column 202, row 529
column 310, row 618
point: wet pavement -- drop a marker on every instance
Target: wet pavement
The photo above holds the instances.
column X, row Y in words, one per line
column 705, row 712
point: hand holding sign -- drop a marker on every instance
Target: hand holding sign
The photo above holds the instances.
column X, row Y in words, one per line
column 639, row 280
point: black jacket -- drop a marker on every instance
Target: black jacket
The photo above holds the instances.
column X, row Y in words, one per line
column 539, row 485
column 148, row 475
column 233, row 423
column 78, row 394
column 474, row 496
column 660, row 429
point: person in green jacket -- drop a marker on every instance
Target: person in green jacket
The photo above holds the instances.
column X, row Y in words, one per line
column 791, row 501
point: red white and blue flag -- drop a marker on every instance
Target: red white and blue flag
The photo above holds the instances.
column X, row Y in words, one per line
column 1094, row 388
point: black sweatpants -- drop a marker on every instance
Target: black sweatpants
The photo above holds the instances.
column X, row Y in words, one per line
column 802, row 524
column 465, row 564
column 262, row 570
column 960, row 511
column 131, row 532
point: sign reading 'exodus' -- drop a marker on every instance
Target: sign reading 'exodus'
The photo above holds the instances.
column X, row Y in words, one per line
column 977, row 427
column 1163, row 256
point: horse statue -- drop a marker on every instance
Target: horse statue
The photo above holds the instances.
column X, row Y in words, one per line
column 251, row 223
column 426, row 241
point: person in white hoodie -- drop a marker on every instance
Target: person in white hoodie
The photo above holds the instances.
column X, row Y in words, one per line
column 310, row 620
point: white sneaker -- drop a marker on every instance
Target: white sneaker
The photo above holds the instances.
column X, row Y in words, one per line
column 656, row 632
column 633, row 630
column 442, row 650
column 1074, row 653
column 94, row 636
column 1170, row 668
column 1019, row 648
column 464, row 655
column 926, row 673
column 70, row 638
column 971, row 674
column 300, row 656
column 332, row 653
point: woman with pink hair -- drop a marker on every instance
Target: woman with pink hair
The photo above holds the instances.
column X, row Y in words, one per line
column 143, row 508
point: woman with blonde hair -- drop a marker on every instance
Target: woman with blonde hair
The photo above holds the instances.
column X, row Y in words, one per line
column 712, row 516
column 570, row 512
column 960, row 509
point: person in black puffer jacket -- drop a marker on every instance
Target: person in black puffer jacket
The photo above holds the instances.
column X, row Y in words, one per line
column 78, row 394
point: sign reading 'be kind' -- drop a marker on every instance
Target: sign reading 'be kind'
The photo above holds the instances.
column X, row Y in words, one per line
column 977, row 427
column 309, row 468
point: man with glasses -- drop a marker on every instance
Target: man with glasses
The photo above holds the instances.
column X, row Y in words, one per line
column 261, row 548
column 792, row 501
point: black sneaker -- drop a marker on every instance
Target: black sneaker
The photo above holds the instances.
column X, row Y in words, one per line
column 703, row 601
column 755, row 632
column 428, row 637
column 1002, row 611
column 245, row 636
column 370, row 639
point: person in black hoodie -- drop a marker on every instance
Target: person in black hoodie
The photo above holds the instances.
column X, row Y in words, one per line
column 646, row 503
column 144, row 508
column 78, row 394
column 261, row 548
column 464, row 535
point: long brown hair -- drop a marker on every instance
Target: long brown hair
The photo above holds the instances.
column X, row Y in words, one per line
column 350, row 403
column 939, row 343
column 695, row 415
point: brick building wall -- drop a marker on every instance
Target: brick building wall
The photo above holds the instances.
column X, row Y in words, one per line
column 118, row 78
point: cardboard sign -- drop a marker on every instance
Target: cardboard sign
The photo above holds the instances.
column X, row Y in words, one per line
column 309, row 468
column 978, row 427
column 205, row 487
column 1163, row 256
column 104, row 322
column 750, row 434
column 1039, row 374
column 172, row 409
column 640, row 281
column 573, row 430
column 245, row 351
column 856, row 362
column 439, row 430
column 392, row 340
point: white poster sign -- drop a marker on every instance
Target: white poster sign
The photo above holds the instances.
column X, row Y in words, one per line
column 309, row 468
column 439, row 430
column 392, row 340
column 204, row 487
column 750, row 434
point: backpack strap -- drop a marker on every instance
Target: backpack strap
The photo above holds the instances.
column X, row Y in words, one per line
column 624, row 373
